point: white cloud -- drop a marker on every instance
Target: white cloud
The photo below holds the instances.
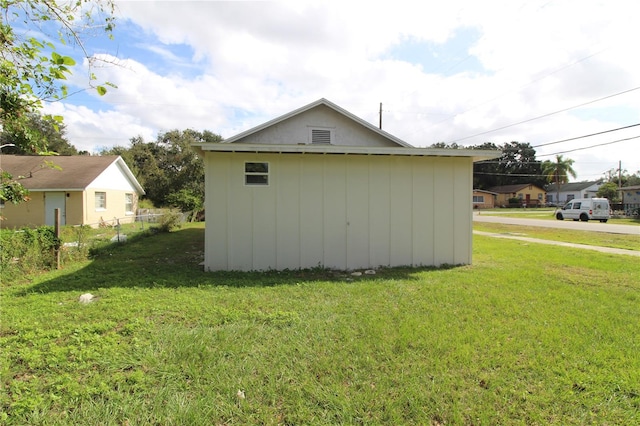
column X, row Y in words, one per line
column 252, row 61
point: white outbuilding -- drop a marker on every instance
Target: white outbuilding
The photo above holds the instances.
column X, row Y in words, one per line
column 320, row 187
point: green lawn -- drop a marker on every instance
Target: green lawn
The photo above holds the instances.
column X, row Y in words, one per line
column 628, row 242
column 527, row 335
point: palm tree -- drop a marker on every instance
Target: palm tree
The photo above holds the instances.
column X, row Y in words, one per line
column 558, row 172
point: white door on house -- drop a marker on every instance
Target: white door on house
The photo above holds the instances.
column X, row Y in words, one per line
column 53, row 201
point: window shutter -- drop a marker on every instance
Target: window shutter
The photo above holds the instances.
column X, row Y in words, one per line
column 320, row 136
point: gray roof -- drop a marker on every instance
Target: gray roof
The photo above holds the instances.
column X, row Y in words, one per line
column 70, row 173
column 510, row 189
column 312, row 105
column 571, row 186
column 402, row 148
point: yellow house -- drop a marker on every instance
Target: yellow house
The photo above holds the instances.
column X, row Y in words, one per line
column 87, row 190
column 322, row 187
column 529, row 195
column 484, row 199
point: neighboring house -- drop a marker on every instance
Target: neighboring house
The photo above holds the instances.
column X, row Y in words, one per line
column 631, row 200
column 529, row 195
column 86, row 189
column 484, row 199
column 569, row 191
column 320, row 187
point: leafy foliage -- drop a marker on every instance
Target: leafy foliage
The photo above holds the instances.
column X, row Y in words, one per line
column 32, row 70
column 49, row 130
column 170, row 170
column 27, row 250
column 609, row 190
column 516, row 165
column 558, row 172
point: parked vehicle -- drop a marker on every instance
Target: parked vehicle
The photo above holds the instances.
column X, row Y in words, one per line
column 585, row 209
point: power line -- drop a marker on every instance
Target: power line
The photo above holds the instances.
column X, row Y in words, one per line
column 586, row 136
column 547, row 115
column 592, row 146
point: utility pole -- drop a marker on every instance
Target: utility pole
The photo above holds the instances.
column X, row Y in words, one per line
column 620, row 182
column 380, row 115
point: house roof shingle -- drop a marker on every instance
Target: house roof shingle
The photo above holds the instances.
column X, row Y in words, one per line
column 509, row 189
column 571, row 186
column 60, row 173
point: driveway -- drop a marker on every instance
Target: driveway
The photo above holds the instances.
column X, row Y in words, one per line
column 594, row 226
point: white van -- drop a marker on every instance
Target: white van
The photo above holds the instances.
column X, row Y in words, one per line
column 585, row 209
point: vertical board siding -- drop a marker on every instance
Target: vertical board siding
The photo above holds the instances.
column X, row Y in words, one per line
column 379, row 211
column 400, row 211
column 462, row 211
column 342, row 212
column 311, row 213
column 424, row 204
column 335, row 212
column 357, row 200
column 443, row 215
column 264, row 222
column 288, row 212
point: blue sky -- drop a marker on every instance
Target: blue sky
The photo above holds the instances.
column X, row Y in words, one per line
column 458, row 71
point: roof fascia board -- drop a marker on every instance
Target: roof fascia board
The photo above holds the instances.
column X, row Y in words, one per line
column 477, row 155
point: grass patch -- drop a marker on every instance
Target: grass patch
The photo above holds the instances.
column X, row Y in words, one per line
column 629, row 242
column 527, row 335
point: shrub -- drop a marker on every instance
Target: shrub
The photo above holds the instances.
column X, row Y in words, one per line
column 27, row 250
column 169, row 221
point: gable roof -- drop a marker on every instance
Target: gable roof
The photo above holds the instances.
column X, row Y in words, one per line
column 485, row 191
column 310, row 106
column 68, row 173
column 572, row 186
column 401, row 148
column 510, row 189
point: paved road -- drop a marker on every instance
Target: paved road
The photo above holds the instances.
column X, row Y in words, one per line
column 562, row 224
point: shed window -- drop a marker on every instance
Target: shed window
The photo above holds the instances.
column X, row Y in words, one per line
column 321, row 136
column 256, row 174
column 101, row 200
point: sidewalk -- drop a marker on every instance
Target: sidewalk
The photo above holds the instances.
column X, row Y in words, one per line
column 560, row 243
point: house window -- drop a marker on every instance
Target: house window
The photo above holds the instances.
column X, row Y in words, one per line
column 128, row 203
column 321, row 136
column 540, row 196
column 478, row 199
column 570, row 197
column 101, row 200
column 256, row 174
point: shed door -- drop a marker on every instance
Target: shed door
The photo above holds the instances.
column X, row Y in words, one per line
column 53, row 201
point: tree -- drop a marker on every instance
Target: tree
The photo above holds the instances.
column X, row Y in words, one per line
column 517, row 164
column 608, row 190
column 33, row 70
column 169, row 169
column 558, row 172
column 53, row 135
